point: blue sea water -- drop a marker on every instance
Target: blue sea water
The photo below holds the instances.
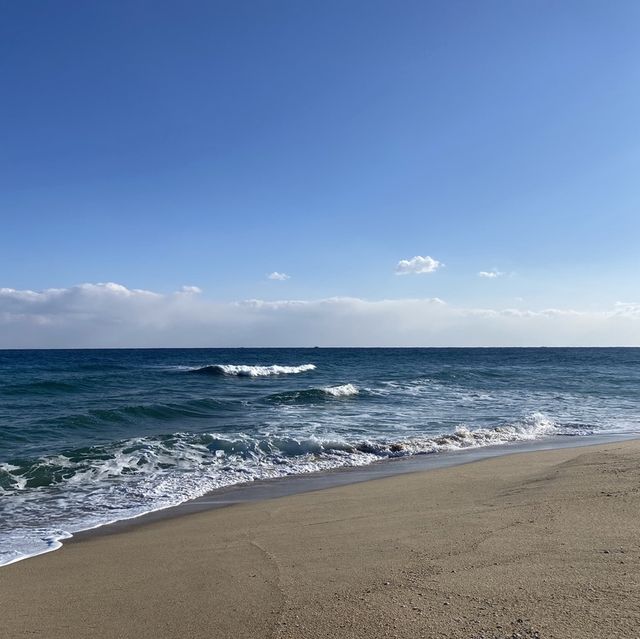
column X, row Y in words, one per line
column 92, row 436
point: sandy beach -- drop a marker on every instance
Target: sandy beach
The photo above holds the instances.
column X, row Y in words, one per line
column 543, row 544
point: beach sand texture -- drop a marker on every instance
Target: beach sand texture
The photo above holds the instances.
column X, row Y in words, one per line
column 543, row 544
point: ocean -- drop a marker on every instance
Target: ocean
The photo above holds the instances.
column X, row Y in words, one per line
column 89, row 437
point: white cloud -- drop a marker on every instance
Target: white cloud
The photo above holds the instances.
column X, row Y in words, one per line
column 191, row 290
column 628, row 309
column 278, row 276
column 111, row 315
column 417, row 265
column 490, row 274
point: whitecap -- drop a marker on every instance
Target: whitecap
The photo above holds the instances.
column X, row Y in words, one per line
column 244, row 370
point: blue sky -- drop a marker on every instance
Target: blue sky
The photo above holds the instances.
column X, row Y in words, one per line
column 162, row 144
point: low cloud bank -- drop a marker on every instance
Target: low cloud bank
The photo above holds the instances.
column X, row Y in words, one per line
column 111, row 315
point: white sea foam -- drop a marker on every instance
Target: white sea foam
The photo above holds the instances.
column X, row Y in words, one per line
column 243, row 370
column 135, row 476
column 345, row 390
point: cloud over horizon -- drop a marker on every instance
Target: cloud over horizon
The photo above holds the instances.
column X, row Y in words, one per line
column 111, row 315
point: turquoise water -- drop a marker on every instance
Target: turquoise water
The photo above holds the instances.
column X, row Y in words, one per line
column 89, row 436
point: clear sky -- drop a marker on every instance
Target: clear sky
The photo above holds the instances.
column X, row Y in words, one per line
column 286, row 150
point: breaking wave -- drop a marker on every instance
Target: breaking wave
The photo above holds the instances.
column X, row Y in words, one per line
column 88, row 487
column 344, row 390
column 242, row 370
column 310, row 395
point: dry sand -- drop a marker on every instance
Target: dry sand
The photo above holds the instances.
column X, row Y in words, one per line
column 543, row 544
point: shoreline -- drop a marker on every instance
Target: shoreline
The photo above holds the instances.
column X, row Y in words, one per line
column 538, row 536
column 276, row 487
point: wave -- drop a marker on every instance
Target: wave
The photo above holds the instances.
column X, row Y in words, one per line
column 97, row 419
column 242, row 370
column 344, row 390
column 196, row 408
column 43, row 387
column 145, row 455
column 102, row 366
column 310, row 395
column 88, row 487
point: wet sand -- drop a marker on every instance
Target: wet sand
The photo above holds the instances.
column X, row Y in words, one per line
column 543, row 544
